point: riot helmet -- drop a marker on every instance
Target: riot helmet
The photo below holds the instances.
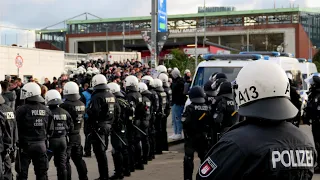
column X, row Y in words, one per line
column 197, row 95
column 71, row 91
column 165, row 79
column 131, row 83
column 31, row 92
column 216, row 76
column 53, row 97
column 148, row 80
column 115, row 89
column 208, row 90
column 175, row 73
column 143, row 88
column 224, row 88
column 158, row 85
column 161, row 69
column 264, row 95
column 99, row 82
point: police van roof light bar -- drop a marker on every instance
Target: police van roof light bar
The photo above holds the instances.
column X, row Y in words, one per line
column 273, row 54
column 208, row 57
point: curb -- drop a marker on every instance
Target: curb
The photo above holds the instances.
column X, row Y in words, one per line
column 172, row 143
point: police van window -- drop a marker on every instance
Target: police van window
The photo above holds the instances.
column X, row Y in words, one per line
column 297, row 78
column 204, row 73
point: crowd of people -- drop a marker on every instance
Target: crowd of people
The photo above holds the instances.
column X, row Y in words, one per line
column 133, row 110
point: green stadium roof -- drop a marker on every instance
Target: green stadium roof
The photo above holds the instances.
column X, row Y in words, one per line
column 194, row 15
column 44, row 31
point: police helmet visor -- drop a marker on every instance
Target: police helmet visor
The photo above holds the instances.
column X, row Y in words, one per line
column 277, row 108
column 101, row 87
column 37, row 98
column 118, row 94
column 198, row 100
column 55, row 102
column 72, row 97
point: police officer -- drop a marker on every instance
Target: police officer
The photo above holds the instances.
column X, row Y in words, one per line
column 159, row 126
column 58, row 141
column 166, row 86
column 135, row 100
column 101, row 116
column 210, row 93
column 119, row 140
column 311, row 113
column 210, row 101
column 148, row 80
column 143, row 89
column 195, row 120
column 9, row 133
column 76, row 109
column 264, row 146
column 295, row 99
column 34, row 120
column 225, row 114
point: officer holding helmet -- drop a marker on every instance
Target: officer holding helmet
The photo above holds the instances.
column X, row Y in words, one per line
column 101, row 116
column 195, row 120
column 119, row 140
column 264, row 146
column 62, row 122
column 34, row 120
column 135, row 100
column 10, row 137
column 76, row 109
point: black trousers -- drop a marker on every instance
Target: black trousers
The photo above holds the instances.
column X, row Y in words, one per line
column 164, row 133
column 120, row 153
column 35, row 152
column 192, row 145
column 7, row 170
column 58, row 149
column 75, row 152
column 87, row 142
column 145, row 144
column 100, row 151
column 152, row 141
column 158, row 134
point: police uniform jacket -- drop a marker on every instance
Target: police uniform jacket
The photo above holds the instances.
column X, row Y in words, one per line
column 10, row 136
column 62, row 122
column 255, row 149
column 34, row 120
column 77, row 110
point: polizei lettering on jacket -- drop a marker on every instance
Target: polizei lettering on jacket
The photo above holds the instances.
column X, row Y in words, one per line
column 9, row 115
column 201, row 108
column 292, row 159
column 60, row 117
column 38, row 112
column 80, row 108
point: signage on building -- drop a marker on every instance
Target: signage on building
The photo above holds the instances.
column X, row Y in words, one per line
column 175, row 31
column 194, row 51
column 162, row 16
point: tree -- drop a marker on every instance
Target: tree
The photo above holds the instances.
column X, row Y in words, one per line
column 316, row 60
column 182, row 61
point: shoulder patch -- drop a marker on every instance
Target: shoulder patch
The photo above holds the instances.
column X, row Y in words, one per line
column 207, row 168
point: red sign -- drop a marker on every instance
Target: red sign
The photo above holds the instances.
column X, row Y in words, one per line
column 19, row 61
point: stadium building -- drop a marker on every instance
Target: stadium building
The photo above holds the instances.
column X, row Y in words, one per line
column 294, row 30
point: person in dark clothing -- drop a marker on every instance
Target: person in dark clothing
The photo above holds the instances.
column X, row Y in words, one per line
column 101, row 116
column 63, row 123
column 34, row 121
column 296, row 101
column 76, row 109
column 47, row 83
column 17, row 89
column 9, row 96
column 54, row 84
column 86, row 98
column 178, row 101
column 196, row 118
column 263, row 146
column 9, row 138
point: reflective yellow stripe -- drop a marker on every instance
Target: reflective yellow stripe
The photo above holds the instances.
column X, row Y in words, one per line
column 233, row 113
column 202, row 116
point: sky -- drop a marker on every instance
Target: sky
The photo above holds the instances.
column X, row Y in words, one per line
column 37, row 14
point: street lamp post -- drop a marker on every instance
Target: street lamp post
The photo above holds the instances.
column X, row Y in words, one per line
column 204, row 22
column 107, row 44
column 196, row 47
column 309, row 34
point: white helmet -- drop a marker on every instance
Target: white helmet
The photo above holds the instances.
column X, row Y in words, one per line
column 161, row 69
column 175, row 73
column 158, row 85
column 71, row 91
column 31, row 92
column 89, row 72
column 89, row 68
column 99, row 81
column 71, row 75
column 261, row 94
column 77, row 72
column 165, row 79
column 131, row 83
column 187, row 71
column 143, row 87
column 148, row 80
column 115, row 89
column 53, row 97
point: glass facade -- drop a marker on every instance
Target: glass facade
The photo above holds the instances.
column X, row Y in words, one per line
column 311, row 24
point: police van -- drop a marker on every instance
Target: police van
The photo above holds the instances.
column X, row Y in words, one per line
column 307, row 69
column 231, row 65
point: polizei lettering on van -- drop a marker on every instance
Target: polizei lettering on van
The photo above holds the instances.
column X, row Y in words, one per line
column 292, row 159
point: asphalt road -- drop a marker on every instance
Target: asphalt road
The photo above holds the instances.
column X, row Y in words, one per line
column 168, row 166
